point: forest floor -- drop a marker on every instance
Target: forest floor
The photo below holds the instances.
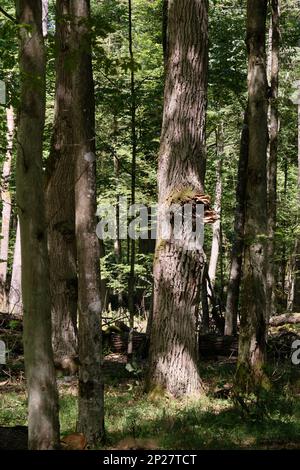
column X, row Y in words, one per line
column 214, row 421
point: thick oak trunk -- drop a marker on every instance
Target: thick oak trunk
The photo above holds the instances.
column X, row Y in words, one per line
column 60, row 197
column 173, row 362
column 43, row 424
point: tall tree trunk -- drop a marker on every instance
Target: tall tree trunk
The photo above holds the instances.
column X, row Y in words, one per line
column 204, row 302
column 131, row 284
column 216, row 240
column 253, row 301
column 15, row 304
column 296, row 281
column 296, row 303
column 91, row 409
column 118, row 241
column 60, row 197
column 6, row 207
column 43, row 424
column 174, row 353
column 293, row 303
column 282, row 270
column 235, row 274
column 272, row 156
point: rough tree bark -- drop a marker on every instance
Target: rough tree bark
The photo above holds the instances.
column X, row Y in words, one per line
column 91, row 408
column 235, row 274
column 118, row 241
column 295, row 296
column 60, row 196
column 253, row 299
column 15, row 304
column 174, row 354
column 297, row 280
column 45, row 11
column 6, row 207
column 272, row 155
column 43, row 424
column 216, row 239
column 131, row 282
column 282, row 268
column 296, row 303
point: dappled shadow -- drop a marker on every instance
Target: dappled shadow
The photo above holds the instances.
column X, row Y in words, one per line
column 226, row 429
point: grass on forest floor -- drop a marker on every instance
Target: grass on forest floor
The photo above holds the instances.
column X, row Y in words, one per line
column 208, row 422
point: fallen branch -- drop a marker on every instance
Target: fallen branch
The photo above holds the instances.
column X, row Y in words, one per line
column 285, row 319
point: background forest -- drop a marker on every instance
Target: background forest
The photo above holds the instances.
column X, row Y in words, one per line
column 106, row 67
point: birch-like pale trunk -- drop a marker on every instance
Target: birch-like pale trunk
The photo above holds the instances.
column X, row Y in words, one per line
column 15, row 304
column 45, row 8
column 6, row 207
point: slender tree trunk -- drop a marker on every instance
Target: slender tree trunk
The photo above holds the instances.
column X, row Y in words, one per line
column 104, row 289
column 91, row 408
column 293, row 301
column 60, row 197
column 43, row 424
column 296, row 303
column 272, row 156
column 6, row 207
column 15, row 304
column 253, row 301
column 165, row 31
column 174, row 352
column 118, row 242
column 131, row 284
column 282, row 272
column 235, row 274
column 296, row 280
column 216, row 240
column 205, row 302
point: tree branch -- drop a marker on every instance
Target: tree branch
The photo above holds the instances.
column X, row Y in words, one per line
column 11, row 18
